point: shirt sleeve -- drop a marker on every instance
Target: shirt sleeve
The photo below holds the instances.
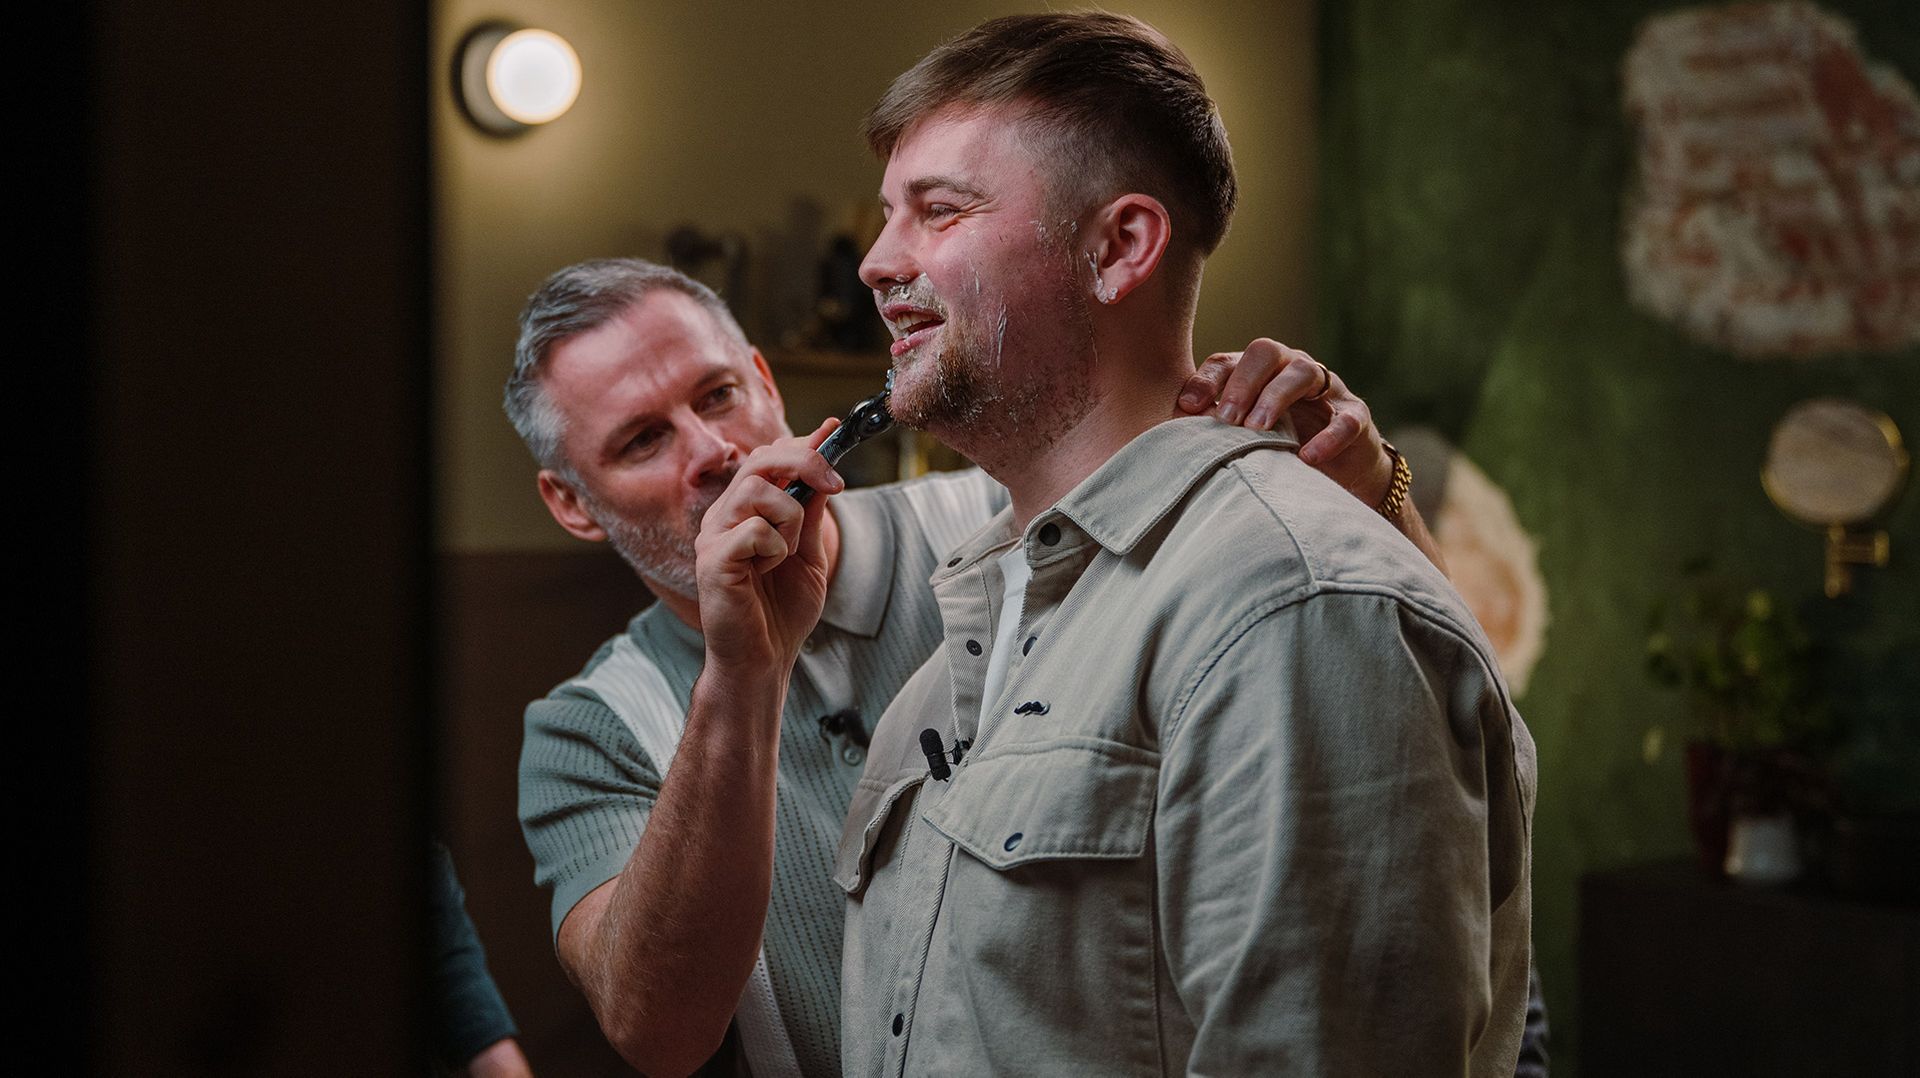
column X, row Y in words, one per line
column 586, row 790
column 1340, row 815
column 469, row 1013
column 1534, row 1039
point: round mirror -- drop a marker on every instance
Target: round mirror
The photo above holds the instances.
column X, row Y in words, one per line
column 1834, row 462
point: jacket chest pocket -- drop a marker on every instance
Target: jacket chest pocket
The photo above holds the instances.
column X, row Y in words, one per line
column 1070, row 799
column 1048, row 915
column 865, row 830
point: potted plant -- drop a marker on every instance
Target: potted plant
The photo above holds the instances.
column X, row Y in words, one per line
column 1747, row 666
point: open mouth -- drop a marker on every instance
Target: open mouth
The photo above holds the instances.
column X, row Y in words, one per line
column 913, row 320
column 914, row 334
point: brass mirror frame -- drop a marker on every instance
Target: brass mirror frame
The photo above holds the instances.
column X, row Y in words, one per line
column 1856, row 542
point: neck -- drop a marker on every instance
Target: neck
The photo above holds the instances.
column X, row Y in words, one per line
column 1133, row 393
column 687, row 607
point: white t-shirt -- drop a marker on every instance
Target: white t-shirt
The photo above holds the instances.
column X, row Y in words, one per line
column 1016, row 572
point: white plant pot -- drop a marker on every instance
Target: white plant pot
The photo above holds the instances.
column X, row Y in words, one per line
column 1763, row 850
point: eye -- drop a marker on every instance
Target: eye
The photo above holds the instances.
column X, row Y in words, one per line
column 941, row 210
column 719, row 397
column 646, row 441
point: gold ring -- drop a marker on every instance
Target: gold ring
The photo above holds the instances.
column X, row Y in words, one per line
column 1326, row 380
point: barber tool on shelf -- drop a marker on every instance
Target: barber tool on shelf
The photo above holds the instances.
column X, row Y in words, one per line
column 868, row 419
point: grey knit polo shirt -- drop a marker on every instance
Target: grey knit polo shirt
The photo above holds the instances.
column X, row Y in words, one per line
column 587, row 785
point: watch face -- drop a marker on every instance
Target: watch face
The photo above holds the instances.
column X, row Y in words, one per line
column 1834, row 462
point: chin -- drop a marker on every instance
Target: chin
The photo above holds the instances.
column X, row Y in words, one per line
column 945, row 392
column 908, row 391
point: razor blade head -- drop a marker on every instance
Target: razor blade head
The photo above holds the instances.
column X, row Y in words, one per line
column 870, row 417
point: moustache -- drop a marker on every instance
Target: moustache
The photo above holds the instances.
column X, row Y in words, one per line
column 915, row 293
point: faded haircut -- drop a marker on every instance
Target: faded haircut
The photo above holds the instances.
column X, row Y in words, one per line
column 579, row 299
column 1118, row 106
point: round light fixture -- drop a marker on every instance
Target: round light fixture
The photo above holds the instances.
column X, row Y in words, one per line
column 513, row 78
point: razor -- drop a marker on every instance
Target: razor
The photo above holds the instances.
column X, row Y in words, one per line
column 868, row 419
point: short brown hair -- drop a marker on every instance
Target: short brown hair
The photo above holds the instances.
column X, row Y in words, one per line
column 1122, row 107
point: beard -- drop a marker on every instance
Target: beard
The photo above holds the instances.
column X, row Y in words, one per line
column 945, row 390
column 660, row 551
column 963, row 394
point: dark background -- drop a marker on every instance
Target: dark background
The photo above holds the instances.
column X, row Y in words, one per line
column 226, row 708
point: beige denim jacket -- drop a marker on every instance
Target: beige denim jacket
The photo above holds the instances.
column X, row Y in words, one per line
column 1253, row 801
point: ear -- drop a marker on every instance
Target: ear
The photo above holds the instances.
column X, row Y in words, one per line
column 1130, row 236
column 563, row 501
column 766, row 379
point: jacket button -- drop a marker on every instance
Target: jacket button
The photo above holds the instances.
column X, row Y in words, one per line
column 1013, row 840
column 1028, row 646
column 973, row 647
column 1049, row 533
column 899, row 1023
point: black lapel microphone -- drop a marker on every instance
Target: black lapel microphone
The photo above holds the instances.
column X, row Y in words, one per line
column 937, row 756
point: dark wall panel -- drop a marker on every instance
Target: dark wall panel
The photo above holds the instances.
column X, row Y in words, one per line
column 512, row 626
column 260, row 527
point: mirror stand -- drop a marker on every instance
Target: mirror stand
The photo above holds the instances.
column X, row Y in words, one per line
column 1847, row 548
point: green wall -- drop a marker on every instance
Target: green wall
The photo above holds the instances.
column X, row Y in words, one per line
column 1474, row 159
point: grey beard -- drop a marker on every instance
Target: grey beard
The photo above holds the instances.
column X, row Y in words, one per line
column 661, row 554
column 663, row 557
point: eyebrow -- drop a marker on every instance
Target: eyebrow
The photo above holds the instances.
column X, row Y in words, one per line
column 916, row 188
column 624, row 433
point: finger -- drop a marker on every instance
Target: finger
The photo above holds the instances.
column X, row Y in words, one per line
column 761, row 545
column 773, row 505
column 1290, row 390
column 748, row 497
column 788, row 459
column 730, row 557
column 1341, row 432
column 812, row 547
column 1203, row 386
column 829, row 481
column 1298, row 381
column 1337, row 388
column 1258, row 365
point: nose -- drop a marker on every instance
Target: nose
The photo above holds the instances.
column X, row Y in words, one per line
column 887, row 262
column 710, row 455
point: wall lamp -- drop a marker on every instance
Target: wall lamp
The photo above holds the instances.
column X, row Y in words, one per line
column 514, row 78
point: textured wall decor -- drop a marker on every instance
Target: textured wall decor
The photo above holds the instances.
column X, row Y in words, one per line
column 1494, row 564
column 1777, row 206
column 1490, row 557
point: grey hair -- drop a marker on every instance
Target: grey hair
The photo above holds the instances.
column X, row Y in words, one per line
column 579, row 299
